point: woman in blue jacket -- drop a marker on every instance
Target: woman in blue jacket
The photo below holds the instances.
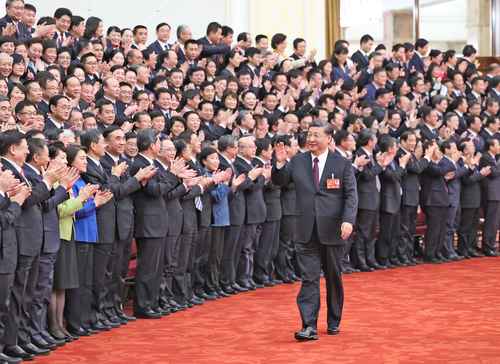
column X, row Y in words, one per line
column 85, row 232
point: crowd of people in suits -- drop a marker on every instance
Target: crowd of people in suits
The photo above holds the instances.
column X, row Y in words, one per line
column 106, row 139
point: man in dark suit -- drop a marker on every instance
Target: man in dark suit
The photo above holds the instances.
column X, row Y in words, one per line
column 360, row 57
column 470, row 201
column 62, row 16
column 95, row 145
column 60, row 109
column 409, row 202
column 435, row 203
column 10, row 210
column 150, row 235
column 255, row 209
column 390, row 203
column 416, row 63
column 161, row 45
column 491, row 197
column 228, row 151
column 168, row 170
column 450, row 161
column 268, row 243
column 36, row 162
column 428, row 129
column 11, row 24
column 368, row 187
column 120, row 253
column 211, row 43
column 327, row 201
column 29, row 232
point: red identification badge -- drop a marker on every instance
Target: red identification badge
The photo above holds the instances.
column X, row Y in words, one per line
column 332, row 183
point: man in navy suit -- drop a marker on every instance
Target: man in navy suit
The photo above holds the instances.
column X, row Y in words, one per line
column 416, row 63
column 327, row 204
column 450, row 161
column 36, row 162
column 62, row 17
column 161, row 45
column 360, row 57
column 11, row 24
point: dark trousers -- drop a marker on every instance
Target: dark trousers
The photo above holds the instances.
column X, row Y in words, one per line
column 230, row 255
column 79, row 300
column 43, row 291
column 118, row 267
column 6, row 284
column 491, row 225
column 170, row 250
column 264, row 256
column 408, row 227
column 201, row 253
column 182, row 275
column 216, row 251
column 451, row 226
column 147, row 280
column 364, row 240
column 312, row 258
column 246, row 250
column 388, row 237
column 23, row 291
column 286, row 250
column 101, row 286
column 467, row 230
column 435, row 218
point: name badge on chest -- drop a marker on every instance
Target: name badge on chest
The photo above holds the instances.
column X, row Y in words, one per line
column 332, row 183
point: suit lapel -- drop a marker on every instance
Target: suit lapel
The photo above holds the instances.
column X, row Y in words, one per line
column 308, row 168
column 328, row 167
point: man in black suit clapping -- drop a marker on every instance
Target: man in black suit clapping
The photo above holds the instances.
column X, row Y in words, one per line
column 327, row 201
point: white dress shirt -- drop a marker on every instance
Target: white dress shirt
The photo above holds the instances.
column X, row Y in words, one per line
column 321, row 162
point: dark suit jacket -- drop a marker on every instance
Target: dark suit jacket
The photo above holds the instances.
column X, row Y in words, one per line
column 454, row 183
column 390, row 191
column 254, row 197
column 157, row 47
column 29, row 225
column 189, row 211
column 236, row 199
column 23, row 32
column 368, row 195
column 323, row 207
column 149, row 204
column 417, row 64
column 210, row 50
column 360, row 59
column 427, row 134
column 434, row 188
column 172, row 199
column 272, row 194
column 470, row 194
column 51, row 236
column 106, row 214
column 9, row 213
column 490, row 184
column 124, row 204
column 410, row 182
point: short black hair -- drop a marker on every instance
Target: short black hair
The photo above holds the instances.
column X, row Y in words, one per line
column 146, row 138
column 366, row 38
column 8, row 139
column 60, row 12
column 213, row 27
column 88, row 137
column 35, row 145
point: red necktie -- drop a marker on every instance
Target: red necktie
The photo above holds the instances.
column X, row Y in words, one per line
column 316, row 172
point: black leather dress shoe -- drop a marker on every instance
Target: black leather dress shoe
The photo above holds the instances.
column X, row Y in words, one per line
column 161, row 311
column 110, row 324
column 268, row 284
column 490, row 253
column 306, row 334
column 17, row 352
column 333, row 331
column 80, row 331
column 8, row 359
column 239, row 288
column 34, row 350
column 124, row 316
column 250, row 287
column 196, row 301
column 295, row 278
column 211, row 296
column 147, row 314
column 365, row 268
column 229, row 290
column 277, row 281
column 99, row 326
column 42, row 344
column 375, row 266
column 222, row 294
column 434, row 261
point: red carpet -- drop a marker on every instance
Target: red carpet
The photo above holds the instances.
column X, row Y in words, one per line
column 426, row 314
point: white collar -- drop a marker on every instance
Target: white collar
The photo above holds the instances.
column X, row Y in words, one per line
column 94, row 160
column 322, row 157
column 115, row 159
column 147, row 158
column 16, row 166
